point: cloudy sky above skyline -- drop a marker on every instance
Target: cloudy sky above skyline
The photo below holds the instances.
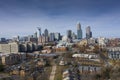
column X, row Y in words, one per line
column 21, row 17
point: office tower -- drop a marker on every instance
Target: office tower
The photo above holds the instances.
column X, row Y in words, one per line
column 79, row 31
column 39, row 30
column 69, row 34
column 51, row 37
column 43, row 39
column 57, row 36
column 46, row 33
column 88, row 33
column 35, row 35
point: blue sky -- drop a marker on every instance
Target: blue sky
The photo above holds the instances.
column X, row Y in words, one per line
column 21, row 17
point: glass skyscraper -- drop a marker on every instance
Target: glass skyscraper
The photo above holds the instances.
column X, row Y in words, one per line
column 79, row 31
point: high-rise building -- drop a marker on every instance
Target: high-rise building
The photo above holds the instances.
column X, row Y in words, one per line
column 46, row 33
column 43, row 39
column 69, row 34
column 51, row 37
column 35, row 35
column 39, row 30
column 79, row 31
column 57, row 36
column 88, row 32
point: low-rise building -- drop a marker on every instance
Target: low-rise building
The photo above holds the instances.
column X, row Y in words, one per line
column 92, row 41
column 9, row 59
column 5, row 48
column 71, row 74
column 90, row 69
column 90, row 56
column 61, row 49
column 41, row 62
column 28, row 47
column 114, row 53
column 102, row 42
column 12, row 47
column 62, row 62
column 46, row 51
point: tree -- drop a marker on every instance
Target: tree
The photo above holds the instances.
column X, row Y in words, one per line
column 96, row 49
column 106, row 73
column 82, row 48
column 1, row 68
column 97, row 77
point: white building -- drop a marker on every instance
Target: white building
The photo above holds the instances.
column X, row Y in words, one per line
column 64, row 44
column 12, row 47
column 89, row 56
column 95, row 69
column 91, row 41
column 114, row 53
column 102, row 41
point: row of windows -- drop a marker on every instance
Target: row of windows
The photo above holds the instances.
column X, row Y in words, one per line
column 114, row 55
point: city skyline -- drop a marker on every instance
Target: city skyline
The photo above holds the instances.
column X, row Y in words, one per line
column 18, row 17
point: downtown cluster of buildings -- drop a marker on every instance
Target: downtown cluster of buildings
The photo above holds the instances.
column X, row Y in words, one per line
column 47, row 36
column 34, row 42
column 34, row 51
column 13, row 50
column 51, row 37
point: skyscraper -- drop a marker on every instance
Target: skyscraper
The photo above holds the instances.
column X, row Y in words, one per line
column 51, row 37
column 35, row 35
column 88, row 33
column 39, row 30
column 79, row 31
column 46, row 33
column 69, row 34
column 57, row 36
